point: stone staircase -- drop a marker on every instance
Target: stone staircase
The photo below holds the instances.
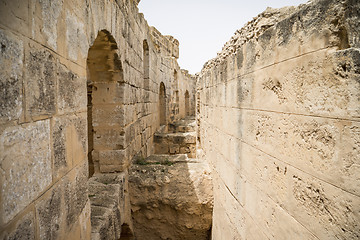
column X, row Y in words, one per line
column 171, row 191
column 107, row 199
column 187, row 124
column 180, row 138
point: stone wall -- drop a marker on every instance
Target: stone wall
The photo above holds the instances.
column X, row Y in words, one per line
column 187, row 85
column 279, row 123
column 64, row 64
column 179, row 80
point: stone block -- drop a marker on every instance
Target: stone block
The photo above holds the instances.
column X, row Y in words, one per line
column 185, row 149
column 103, row 227
column 323, row 208
column 76, row 39
column 315, row 145
column 72, row 92
column 349, row 157
column 108, row 92
column 107, row 198
column 103, row 195
column 109, row 139
column 24, row 229
column 69, row 142
column 85, row 223
column 159, row 138
column 75, row 193
column 162, row 148
column 304, row 85
column 352, row 24
column 15, row 15
column 346, row 66
column 40, row 83
column 190, row 138
column 45, row 22
column 130, row 114
column 112, row 157
column 95, row 155
column 49, row 214
column 25, row 161
column 269, row 214
column 103, row 11
column 113, row 160
column 174, row 149
column 11, row 75
column 236, row 225
column 176, row 138
column 104, row 115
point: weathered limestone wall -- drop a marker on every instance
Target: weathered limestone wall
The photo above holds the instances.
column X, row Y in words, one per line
column 48, row 76
column 188, row 84
column 179, row 80
column 279, row 123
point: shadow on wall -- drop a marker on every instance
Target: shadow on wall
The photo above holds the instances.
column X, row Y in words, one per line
column 162, row 104
column 146, row 65
column 187, row 103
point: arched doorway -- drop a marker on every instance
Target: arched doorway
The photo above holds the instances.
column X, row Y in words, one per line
column 105, row 79
column 146, row 64
column 187, row 103
column 162, row 104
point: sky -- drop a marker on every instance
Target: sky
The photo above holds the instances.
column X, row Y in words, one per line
column 203, row 26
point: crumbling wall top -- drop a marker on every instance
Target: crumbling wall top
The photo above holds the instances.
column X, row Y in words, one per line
column 167, row 43
column 252, row 29
column 188, row 75
column 342, row 24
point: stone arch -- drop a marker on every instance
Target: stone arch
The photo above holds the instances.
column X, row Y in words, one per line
column 162, row 104
column 187, row 103
column 146, row 64
column 198, row 112
column 105, row 112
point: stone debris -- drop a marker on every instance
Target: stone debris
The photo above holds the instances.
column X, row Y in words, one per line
column 107, row 198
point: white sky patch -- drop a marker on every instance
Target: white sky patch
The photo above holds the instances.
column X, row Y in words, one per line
column 203, row 26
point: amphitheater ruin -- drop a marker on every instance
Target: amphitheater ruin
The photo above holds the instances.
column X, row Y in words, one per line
column 104, row 136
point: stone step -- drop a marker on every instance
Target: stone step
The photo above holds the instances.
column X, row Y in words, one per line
column 175, row 143
column 107, row 200
column 183, row 125
column 164, row 159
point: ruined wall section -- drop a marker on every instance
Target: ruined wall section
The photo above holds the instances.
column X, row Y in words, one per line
column 188, row 84
column 279, row 123
column 168, row 45
column 43, row 110
column 177, row 81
